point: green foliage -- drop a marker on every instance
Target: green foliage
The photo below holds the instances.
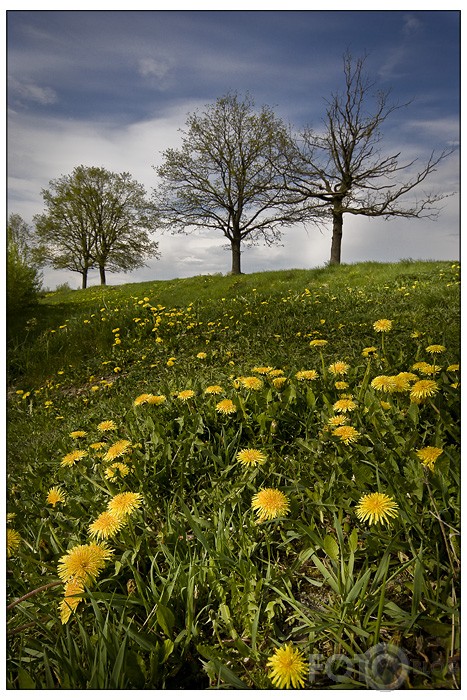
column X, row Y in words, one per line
column 22, row 277
column 197, row 593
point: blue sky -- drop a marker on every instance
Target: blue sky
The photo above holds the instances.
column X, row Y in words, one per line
column 112, row 88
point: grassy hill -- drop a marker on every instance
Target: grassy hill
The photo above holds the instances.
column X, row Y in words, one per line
column 180, row 408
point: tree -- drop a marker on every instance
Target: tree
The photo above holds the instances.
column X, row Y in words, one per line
column 343, row 171
column 226, row 176
column 96, row 218
column 23, row 278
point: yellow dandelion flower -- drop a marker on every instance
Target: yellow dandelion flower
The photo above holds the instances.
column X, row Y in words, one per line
column 213, row 389
column 409, row 376
column 426, row 368
column 385, row 405
column 156, row 400
column 201, row 355
column 13, row 541
column 97, row 445
column 142, row 398
column 185, row 395
column 347, row 434
column 423, row 389
column 124, row 503
column 318, row 343
column 384, row 383
column 106, row 425
column 278, row 382
column 262, row 370
column 435, row 349
column 401, row 382
column 382, row 325
column 376, row 507
column 254, row 383
column 71, row 600
column 73, row 457
column 55, row 495
column 453, row 368
column 226, row 406
column 251, row 457
column 105, row 525
column 428, row 456
column 344, row 405
column 368, row 352
column 83, row 562
column 75, row 434
column 276, row 372
column 110, row 473
column 269, row 504
column 116, row 450
column 288, row 668
column 309, row 374
column 338, row 368
column 338, row 420
column 341, row 385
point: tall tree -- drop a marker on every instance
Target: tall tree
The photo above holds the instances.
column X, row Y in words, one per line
column 23, row 278
column 342, row 169
column 96, row 218
column 226, row 176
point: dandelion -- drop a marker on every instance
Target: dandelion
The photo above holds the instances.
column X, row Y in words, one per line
column 426, row 368
column 423, row 389
column 55, row 495
column 453, row 368
column 83, row 562
column 341, row 385
column 278, row 382
column 71, row 600
column 201, row 355
column 157, row 400
column 401, row 382
column 347, row 434
column 226, row 406
column 288, row 667
column 428, row 456
column 269, row 504
column 254, row 383
column 376, row 507
column 124, row 503
column 73, row 457
column 382, row 325
column 262, row 370
column 337, row 420
column 142, row 398
column 97, row 445
column 368, row 352
column 276, row 372
column 106, row 425
column 214, row 389
column 338, row 368
column 185, row 395
column 344, row 405
column 75, row 434
column 105, row 525
column 13, row 541
column 251, row 457
column 116, row 450
column 384, row 383
column 318, row 343
column 309, row 374
column 435, row 349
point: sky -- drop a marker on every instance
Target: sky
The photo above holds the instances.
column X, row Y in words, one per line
column 113, row 88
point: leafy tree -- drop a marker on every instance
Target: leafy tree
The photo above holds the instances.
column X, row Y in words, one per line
column 23, row 278
column 342, row 170
column 95, row 218
column 226, row 176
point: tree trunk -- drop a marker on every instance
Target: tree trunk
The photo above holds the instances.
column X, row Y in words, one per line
column 84, row 275
column 102, row 274
column 337, row 223
column 236, row 256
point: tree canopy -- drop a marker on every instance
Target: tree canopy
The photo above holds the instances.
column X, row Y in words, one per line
column 343, row 170
column 95, row 218
column 226, row 176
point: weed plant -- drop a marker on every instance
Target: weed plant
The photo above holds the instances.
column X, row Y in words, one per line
column 233, row 479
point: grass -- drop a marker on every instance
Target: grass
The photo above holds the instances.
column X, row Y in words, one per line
column 197, row 593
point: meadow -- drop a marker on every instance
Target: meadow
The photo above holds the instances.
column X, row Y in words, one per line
column 245, row 482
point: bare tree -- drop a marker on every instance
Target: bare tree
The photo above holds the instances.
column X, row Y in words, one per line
column 343, row 170
column 226, row 176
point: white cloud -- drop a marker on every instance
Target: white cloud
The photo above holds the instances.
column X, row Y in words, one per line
column 31, row 92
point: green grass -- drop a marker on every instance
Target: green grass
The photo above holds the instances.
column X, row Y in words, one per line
column 197, row 593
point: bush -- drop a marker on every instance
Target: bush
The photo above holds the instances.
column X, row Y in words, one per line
column 23, row 282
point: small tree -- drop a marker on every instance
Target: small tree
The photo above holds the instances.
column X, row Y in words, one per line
column 343, row 171
column 95, row 218
column 226, row 176
column 23, row 278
